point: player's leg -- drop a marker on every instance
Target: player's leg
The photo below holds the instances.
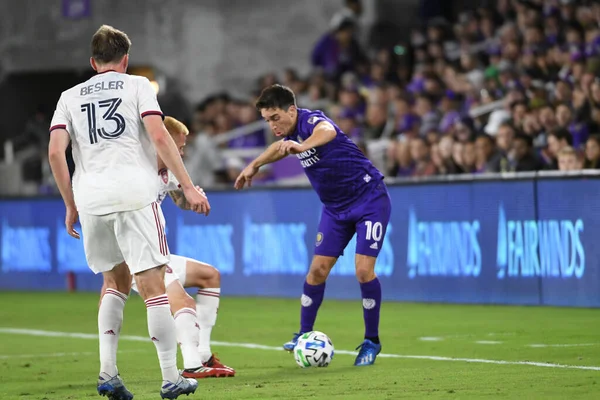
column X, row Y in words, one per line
column 183, row 308
column 332, row 238
column 207, row 279
column 104, row 256
column 115, row 291
column 142, row 240
column 372, row 220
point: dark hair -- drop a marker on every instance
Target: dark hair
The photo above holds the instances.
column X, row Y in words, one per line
column 347, row 23
column 422, row 140
column 562, row 134
column 526, row 138
column 276, row 96
column 510, row 125
column 109, row 45
column 595, row 138
column 488, row 138
column 427, row 97
column 517, row 103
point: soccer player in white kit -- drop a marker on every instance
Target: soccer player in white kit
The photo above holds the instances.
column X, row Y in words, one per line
column 115, row 126
column 194, row 320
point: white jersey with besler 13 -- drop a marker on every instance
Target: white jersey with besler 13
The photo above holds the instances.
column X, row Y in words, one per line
column 114, row 184
column 115, row 160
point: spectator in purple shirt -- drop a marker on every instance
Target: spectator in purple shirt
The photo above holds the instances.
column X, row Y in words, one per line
column 352, row 102
column 449, row 107
column 349, row 125
column 337, row 51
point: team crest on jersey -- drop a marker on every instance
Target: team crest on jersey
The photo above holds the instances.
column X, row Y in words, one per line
column 169, row 270
column 319, row 238
column 300, row 140
column 164, row 174
column 313, row 119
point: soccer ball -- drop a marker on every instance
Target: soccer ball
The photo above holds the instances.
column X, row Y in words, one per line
column 314, row 349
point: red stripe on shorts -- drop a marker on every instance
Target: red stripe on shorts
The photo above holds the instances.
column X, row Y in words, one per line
column 161, row 239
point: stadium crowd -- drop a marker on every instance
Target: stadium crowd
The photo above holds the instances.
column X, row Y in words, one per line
column 513, row 87
column 535, row 66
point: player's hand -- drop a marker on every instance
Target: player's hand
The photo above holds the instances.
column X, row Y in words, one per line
column 290, row 147
column 245, row 177
column 70, row 220
column 197, row 200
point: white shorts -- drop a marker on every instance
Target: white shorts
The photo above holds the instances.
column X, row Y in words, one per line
column 175, row 271
column 136, row 237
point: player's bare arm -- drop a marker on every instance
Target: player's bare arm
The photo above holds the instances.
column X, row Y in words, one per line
column 59, row 141
column 168, row 152
column 179, row 198
column 270, row 155
column 323, row 133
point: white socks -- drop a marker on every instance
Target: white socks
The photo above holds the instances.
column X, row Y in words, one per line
column 207, row 305
column 187, row 336
column 110, row 320
column 161, row 328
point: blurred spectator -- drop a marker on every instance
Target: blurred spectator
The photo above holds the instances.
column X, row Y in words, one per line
column 425, row 110
column 352, row 11
column 469, row 158
column 568, row 159
column 504, row 138
column 348, row 123
column 592, row 153
column 202, row 156
column 337, row 51
column 376, row 120
column 522, row 157
column 420, row 153
column 399, row 159
column 447, row 164
column 557, row 140
column 487, row 157
column 457, row 156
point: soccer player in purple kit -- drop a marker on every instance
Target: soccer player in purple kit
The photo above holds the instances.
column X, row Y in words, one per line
column 355, row 200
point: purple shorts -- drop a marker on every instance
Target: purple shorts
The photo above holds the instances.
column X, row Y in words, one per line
column 368, row 219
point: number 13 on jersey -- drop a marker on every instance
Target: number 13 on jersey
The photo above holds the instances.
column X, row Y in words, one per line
column 110, row 115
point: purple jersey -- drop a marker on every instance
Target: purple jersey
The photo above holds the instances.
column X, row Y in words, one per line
column 338, row 171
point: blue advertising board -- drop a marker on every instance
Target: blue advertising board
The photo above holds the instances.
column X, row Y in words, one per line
column 527, row 241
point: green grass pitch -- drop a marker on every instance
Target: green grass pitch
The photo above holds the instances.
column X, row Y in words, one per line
column 434, row 351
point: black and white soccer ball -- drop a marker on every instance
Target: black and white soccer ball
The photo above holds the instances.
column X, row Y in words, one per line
column 314, row 349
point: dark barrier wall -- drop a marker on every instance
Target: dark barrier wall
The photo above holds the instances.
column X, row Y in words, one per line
column 512, row 241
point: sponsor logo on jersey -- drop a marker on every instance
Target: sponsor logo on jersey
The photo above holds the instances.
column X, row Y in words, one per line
column 319, row 238
column 312, row 120
column 164, row 174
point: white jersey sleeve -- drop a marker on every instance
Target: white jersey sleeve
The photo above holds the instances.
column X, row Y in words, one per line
column 167, row 183
column 115, row 160
column 147, row 102
column 61, row 118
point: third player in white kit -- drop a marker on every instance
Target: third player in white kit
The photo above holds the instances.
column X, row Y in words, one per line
column 194, row 320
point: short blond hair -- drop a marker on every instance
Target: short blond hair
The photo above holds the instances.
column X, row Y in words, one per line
column 109, row 45
column 567, row 151
column 174, row 126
